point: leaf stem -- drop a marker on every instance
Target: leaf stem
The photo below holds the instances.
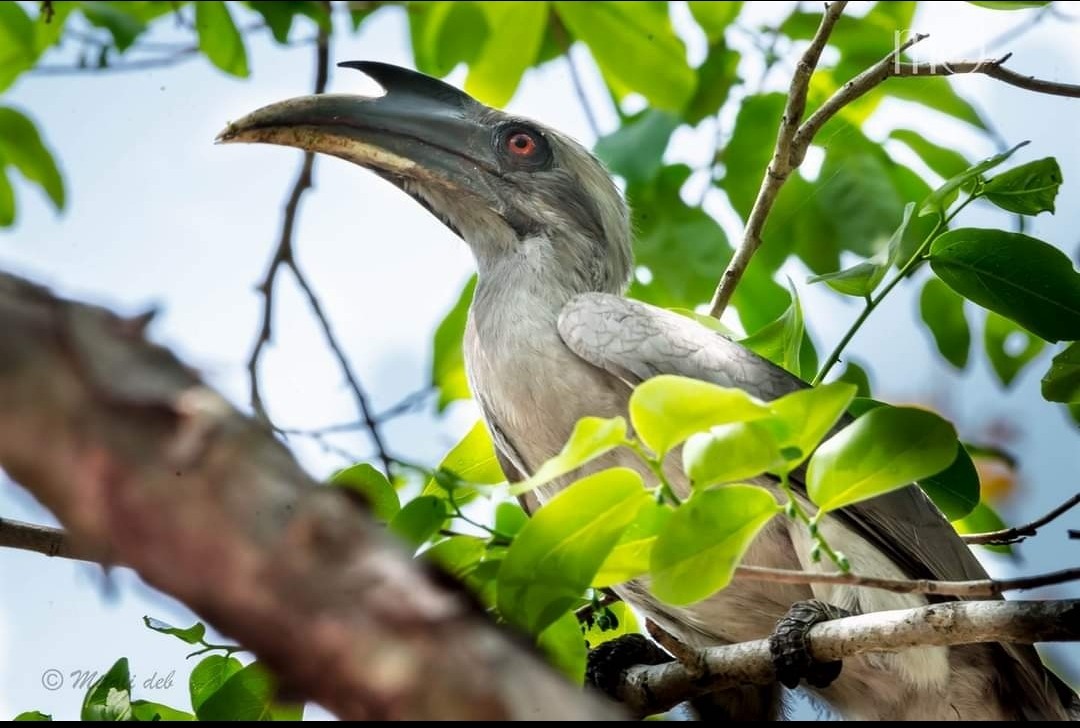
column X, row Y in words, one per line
column 796, row 512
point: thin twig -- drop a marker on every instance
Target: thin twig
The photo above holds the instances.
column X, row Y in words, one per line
column 972, row 589
column 404, row 406
column 145, row 64
column 1017, row 534
column 780, row 166
column 39, row 539
column 991, row 68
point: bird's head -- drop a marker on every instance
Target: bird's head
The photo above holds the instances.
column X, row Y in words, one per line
column 518, row 193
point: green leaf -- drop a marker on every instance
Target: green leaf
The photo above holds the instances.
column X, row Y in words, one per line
column 667, row 409
column 458, row 555
column 473, row 461
column 714, row 18
column 219, row 40
column 193, row 635
column 940, row 198
column 110, row 697
column 624, row 623
column 420, row 519
column 936, row 93
column 124, row 26
column 146, row 711
column 564, row 646
column 208, row 677
column 885, row 449
column 1021, row 278
column 1062, row 382
column 751, row 147
column 943, row 312
column 17, row 51
column 1028, row 189
column 21, row 145
column 856, row 375
column 955, row 490
column 856, row 189
column 516, row 31
column 943, row 161
column 1020, row 5
column 630, row 557
column 781, row 340
column 726, row 453
column 448, row 359
column 559, row 551
column 636, row 149
column 445, row 34
column 863, row 278
column 702, row 543
column 983, row 519
column 709, row 322
column 369, row 482
column 7, row 200
column 806, row 417
column 510, row 518
column 1008, row 347
column 279, row 15
column 591, row 438
column 247, row 694
column 32, row 715
column 634, row 44
column 715, row 78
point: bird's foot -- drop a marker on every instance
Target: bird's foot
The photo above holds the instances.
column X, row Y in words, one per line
column 606, row 664
column 791, row 649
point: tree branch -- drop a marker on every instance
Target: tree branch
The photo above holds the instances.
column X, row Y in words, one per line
column 1017, row 534
column 647, row 690
column 780, row 166
column 146, row 466
column 992, row 68
column 39, row 539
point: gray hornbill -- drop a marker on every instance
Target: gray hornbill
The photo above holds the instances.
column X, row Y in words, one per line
column 550, row 339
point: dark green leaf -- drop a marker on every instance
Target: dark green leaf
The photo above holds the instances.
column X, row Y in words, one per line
column 855, row 374
column 193, row 635
column 751, row 147
column 945, row 162
column 247, row 695
column 1028, row 189
column 21, row 145
column 715, row 77
column 665, row 410
column 1017, row 276
column 635, row 150
column 863, row 279
column 955, row 490
column 124, row 26
column 714, row 18
column 942, row 197
column 32, row 715
column 1009, row 347
column 144, row 710
column 7, row 200
column 635, row 44
column 110, row 697
column 885, row 449
column 279, row 15
column 1062, row 382
column 208, row 677
column 856, row 189
column 731, row 452
column 17, row 51
column 564, row 645
column 448, row 359
column 781, row 340
column 702, row 543
column 219, row 39
column 555, row 557
column 419, row 519
column 1019, row 5
column 983, row 519
column 591, row 438
column 364, row 479
column 516, row 31
column 943, row 312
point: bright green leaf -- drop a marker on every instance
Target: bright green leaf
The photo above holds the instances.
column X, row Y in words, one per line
column 955, row 490
column 473, row 461
column 885, row 449
column 709, row 322
column 144, row 710
column 1028, row 189
column 943, row 312
column 808, row 415
column 419, row 519
column 943, row 161
column 516, row 30
column 781, row 340
column 369, row 482
column 1062, row 382
column 702, row 543
column 219, row 38
column 856, row 375
column 1009, row 347
column 246, row 695
column 559, row 551
column 591, row 438
column 193, row 635
column 21, row 145
column 624, row 623
column 636, row 149
column 208, row 677
column 1014, row 275
column 714, row 17
column 939, row 199
column 110, row 697
column 736, row 451
column 665, row 410
column 458, row 555
column 510, row 518
column 630, row 557
column 1019, row 5
column 7, row 200
column 32, row 715
column 448, row 358
column 635, row 44
column 445, row 34
column 564, row 645
column 124, row 26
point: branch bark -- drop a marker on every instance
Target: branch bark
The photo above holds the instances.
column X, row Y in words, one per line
column 1017, row 534
column 146, row 466
column 647, row 690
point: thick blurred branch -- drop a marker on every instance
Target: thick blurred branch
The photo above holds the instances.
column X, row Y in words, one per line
column 647, row 690
column 147, row 467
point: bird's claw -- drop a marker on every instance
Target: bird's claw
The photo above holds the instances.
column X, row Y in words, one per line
column 791, row 650
column 606, row 664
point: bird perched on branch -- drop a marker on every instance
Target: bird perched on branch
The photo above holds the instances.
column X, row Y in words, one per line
column 551, row 339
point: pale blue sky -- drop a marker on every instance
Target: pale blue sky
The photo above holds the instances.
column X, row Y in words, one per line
column 158, row 215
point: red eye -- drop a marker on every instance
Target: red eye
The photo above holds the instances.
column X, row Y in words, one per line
column 521, row 144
